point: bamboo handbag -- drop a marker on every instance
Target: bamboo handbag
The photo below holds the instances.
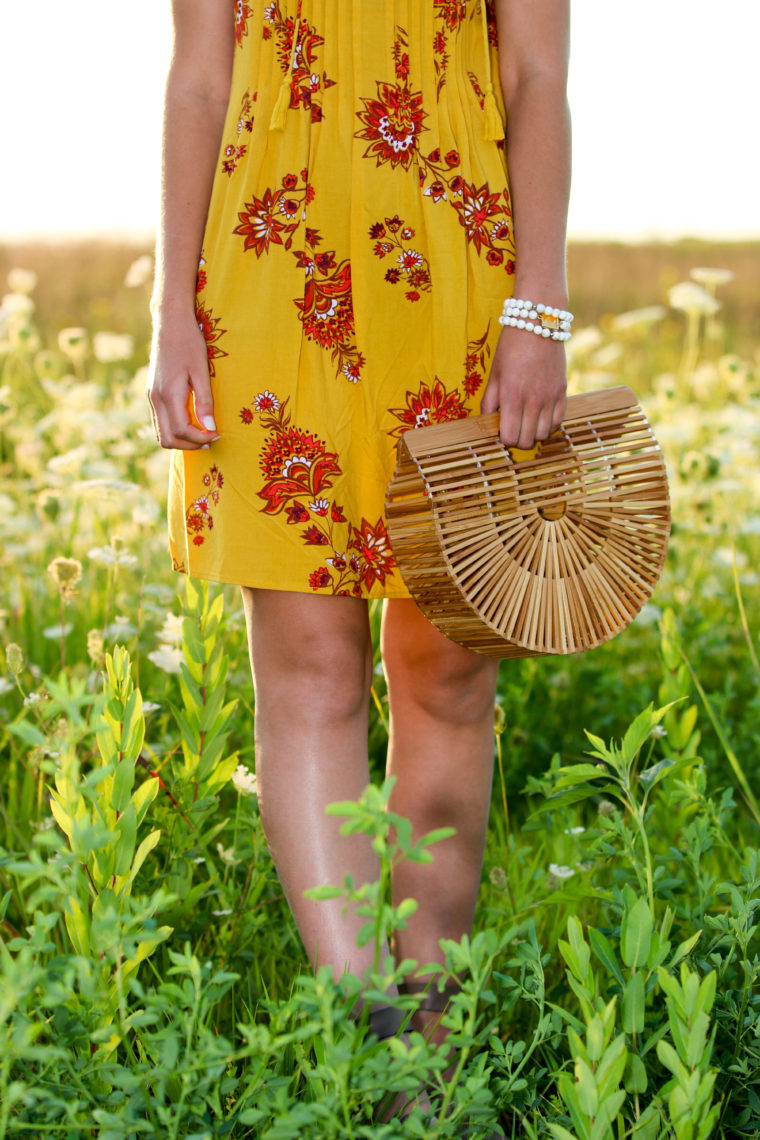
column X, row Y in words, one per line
column 516, row 554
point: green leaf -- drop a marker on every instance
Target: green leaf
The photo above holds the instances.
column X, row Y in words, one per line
column 126, row 830
column 123, row 783
column 579, row 774
column 684, row 948
column 636, row 934
column 633, row 1004
column 635, row 1074
column 606, row 955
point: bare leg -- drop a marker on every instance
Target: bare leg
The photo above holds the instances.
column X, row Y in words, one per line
column 311, row 659
column 441, row 753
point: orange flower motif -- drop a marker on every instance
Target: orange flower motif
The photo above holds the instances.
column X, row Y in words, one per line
column 208, row 324
column 295, row 464
column 430, row 405
column 374, row 552
column 392, row 124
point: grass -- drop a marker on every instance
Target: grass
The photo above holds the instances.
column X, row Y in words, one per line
column 163, row 988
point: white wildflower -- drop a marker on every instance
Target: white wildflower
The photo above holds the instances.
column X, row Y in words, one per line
column 167, row 658
column 111, row 556
column 22, row 280
column 692, row 299
column 574, row 830
column 171, row 630
column 244, row 780
column 73, row 342
column 150, row 707
column 227, row 855
column 725, row 555
column 15, row 304
column 561, row 871
column 139, row 272
column 638, row 318
column 712, row 278
column 55, row 632
column 221, row 913
column 109, row 347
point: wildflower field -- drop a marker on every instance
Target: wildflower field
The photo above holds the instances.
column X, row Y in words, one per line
column 151, row 980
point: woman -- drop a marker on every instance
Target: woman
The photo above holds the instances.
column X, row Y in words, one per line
column 339, row 170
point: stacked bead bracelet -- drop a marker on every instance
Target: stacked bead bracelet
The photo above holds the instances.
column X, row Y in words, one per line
column 542, row 320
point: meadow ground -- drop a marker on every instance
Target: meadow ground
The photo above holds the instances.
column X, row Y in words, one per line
column 152, row 981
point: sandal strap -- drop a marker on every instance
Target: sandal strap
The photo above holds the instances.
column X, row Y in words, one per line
column 385, row 1021
column 433, row 999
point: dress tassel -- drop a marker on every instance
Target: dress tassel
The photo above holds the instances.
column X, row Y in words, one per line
column 280, row 109
column 494, row 128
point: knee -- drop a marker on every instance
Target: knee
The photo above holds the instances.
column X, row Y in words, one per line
column 318, row 669
column 445, row 681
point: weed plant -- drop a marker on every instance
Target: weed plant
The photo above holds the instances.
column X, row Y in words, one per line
column 151, row 981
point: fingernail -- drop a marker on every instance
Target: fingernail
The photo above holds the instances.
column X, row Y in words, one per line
column 205, row 446
column 208, row 423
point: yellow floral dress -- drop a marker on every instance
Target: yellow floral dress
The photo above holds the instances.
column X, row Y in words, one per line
column 357, row 252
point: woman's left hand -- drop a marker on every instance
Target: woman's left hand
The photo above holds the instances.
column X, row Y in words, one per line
column 527, row 386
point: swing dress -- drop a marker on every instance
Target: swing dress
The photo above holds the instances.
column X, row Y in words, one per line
column 358, row 248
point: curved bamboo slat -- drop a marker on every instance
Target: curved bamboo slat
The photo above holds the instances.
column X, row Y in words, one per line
column 554, row 551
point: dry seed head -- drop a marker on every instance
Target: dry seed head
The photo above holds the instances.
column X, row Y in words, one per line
column 499, row 719
column 66, row 573
column 607, row 808
column 498, row 877
column 14, row 658
column 95, row 646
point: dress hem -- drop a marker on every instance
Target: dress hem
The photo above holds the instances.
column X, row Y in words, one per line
column 225, row 581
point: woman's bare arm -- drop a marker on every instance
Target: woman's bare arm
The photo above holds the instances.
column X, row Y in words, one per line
column 195, row 106
column 528, row 377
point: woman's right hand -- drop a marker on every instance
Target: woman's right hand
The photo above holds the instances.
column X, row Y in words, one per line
column 178, row 387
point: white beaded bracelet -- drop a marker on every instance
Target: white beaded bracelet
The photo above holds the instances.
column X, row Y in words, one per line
column 543, row 320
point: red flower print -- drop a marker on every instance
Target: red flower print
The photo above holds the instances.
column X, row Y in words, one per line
column 320, row 578
column 430, row 405
column 313, row 536
column 412, row 295
column 208, row 324
column 198, row 515
column 478, row 205
column 336, row 513
column 452, row 12
column 392, row 123
column 258, row 224
column 289, row 182
column 439, row 43
column 246, row 415
column 295, row 464
column 394, row 224
column 392, row 275
column 377, row 230
column 510, row 267
column 382, row 248
column 452, row 158
column 436, row 191
column 200, row 283
column 266, row 402
column 373, row 548
column 242, row 13
column 407, row 233
column 410, row 259
column 475, row 363
column 297, row 513
column 338, row 562
column 494, row 257
column 319, row 507
column 305, row 82
column 327, row 313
